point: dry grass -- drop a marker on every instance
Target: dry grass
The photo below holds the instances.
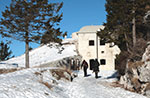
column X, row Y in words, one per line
column 47, row 85
column 147, row 87
column 4, row 71
column 37, row 73
column 134, row 65
column 136, row 84
column 148, row 60
column 60, row 73
column 116, row 84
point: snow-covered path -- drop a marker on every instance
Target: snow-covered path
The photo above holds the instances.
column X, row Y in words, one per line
column 89, row 87
column 26, row 84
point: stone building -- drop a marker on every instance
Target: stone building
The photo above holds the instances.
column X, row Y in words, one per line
column 90, row 46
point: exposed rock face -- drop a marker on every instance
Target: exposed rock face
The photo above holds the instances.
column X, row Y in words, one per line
column 145, row 69
column 131, row 77
column 137, row 75
column 65, row 62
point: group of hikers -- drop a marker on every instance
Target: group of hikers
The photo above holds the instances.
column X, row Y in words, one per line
column 94, row 65
column 75, row 64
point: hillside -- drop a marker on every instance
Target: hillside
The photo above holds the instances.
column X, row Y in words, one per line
column 41, row 55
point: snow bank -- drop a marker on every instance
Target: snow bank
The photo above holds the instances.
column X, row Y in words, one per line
column 41, row 55
column 28, row 83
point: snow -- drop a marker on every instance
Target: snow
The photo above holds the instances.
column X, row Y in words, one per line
column 23, row 84
column 26, row 84
column 146, row 16
column 29, row 83
column 69, row 40
column 8, row 65
column 89, row 87
column 41, row 55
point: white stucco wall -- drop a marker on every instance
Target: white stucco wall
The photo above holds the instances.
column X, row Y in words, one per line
column 90, row 52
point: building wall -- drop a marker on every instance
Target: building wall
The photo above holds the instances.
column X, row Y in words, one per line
column 89, row 52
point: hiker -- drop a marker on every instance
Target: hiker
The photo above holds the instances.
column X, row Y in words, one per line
column 85, row 66
column 96, row 68
column 78, row 64
column 92, row 62
column 72, row 64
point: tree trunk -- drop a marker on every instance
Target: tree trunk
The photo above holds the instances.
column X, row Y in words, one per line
column 148, row 35
column 27, row 51
column 127, row 44
column 134, row 32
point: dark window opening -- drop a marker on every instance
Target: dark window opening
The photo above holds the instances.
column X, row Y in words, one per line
column 102, row 51
column 103, row 62
column 91, row 42
column 102, row 42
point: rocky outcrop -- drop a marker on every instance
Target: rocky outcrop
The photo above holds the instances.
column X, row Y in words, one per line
column 65, row 62
column 137, row 74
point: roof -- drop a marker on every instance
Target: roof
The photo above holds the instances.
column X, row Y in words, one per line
column 92, row 28
column 68, row 40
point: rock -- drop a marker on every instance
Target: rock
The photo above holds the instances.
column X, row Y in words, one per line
column 144, row 75
column 147, row 93
column 137, row 74
column 67, row 76
column 144, row 70
column 55, row 75
column 147, row 90
column 136, row 84
column 126, row 82
column 65, row 62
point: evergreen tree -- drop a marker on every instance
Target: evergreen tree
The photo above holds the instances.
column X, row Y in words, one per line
column 124, row 22
column 5, row 53
column 29, row 20
column 125, row 26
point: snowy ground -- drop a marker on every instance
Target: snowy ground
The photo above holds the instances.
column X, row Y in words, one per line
column 26, row 84
column 39, row 82
column 41, row 55
column 89, row 87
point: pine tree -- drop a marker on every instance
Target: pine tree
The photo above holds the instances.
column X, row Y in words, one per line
column 125, row 27
column 29, row 20
column 118, row 23
column 5, row 53
column 147, row 23
column 124, row 22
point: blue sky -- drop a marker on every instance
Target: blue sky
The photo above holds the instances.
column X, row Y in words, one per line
column 76, row 14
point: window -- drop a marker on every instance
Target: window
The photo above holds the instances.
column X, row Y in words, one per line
column 103, row 62
column 102, row 42
column 102, row 51
column 91, row 42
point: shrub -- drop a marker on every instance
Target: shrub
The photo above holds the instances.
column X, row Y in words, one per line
column 61, row 73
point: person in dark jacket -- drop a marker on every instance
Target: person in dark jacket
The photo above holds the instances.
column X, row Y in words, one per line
column 96, row 68
column 92, row 62
column 85, row 67
column 78, row 64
